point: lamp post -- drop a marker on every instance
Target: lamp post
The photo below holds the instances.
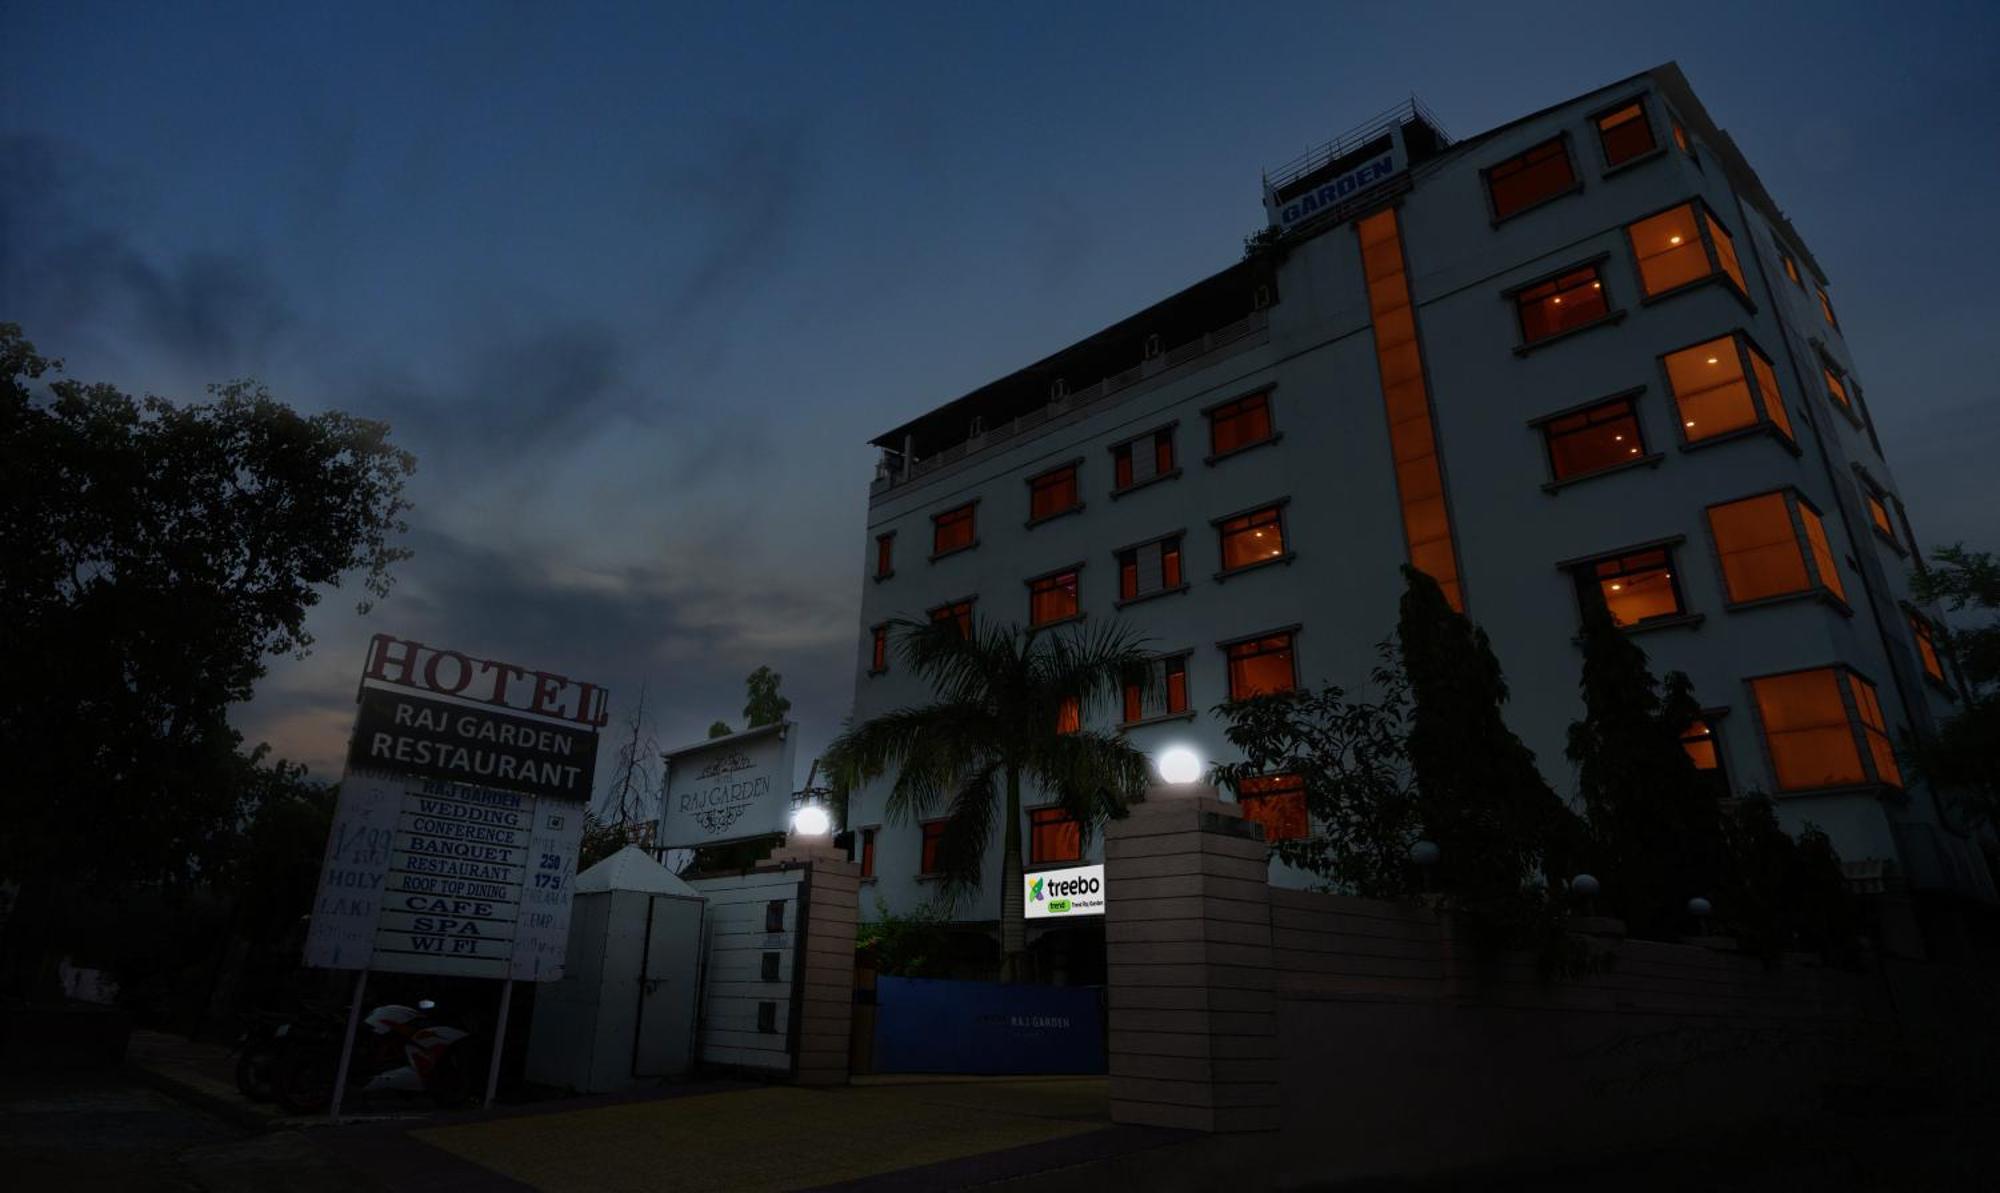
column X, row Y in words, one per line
column 1179, row 765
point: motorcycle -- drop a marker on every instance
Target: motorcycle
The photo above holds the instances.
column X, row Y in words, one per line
column 397, row 1048
column 264, row 1040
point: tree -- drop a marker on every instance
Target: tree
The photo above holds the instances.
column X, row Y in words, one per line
column 156, row 556
column 1655, row 827
column 1353, row 760
column 764, row 706
column 1003, row 695
column 1962, row 759
column 719, row 729
column 1783, row 893
column 634, row 777
column 1503, row 835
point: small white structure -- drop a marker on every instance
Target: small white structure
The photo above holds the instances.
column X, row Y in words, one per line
column 623, row 1014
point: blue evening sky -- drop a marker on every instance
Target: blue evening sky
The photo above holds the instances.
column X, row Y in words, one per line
column 637, row 283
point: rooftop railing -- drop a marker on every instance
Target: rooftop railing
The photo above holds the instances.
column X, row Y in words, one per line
column 1351, row 140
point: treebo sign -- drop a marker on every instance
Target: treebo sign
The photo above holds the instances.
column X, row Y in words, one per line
column 1076, row 890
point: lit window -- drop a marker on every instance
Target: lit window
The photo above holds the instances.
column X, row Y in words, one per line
column 1765, row 550
column 1150, row 568
column 1521, row 182
column 1637, row 587
column 1556, row 306
column 1714, row 395
column 1698, row 739
column 1824, row 728
column 1261, row 666
column 1053, row 493
column 952, row 530
column 1878, row 515
column 1245, row 422
column 879, row 657
column 1837, row 391
column 1826, row 308
column 1168, row 697
column 1604, row 436
column 1053, row 598
column 1926, row 637
column 933, row 851
column 885, row 556
column 1675, row 248
column 1146, row 458
column 1278, row 802
column 865, row 846
column 1053, row 836
column 1069, row 715
column 958, row 612
column 1791, row 269
column 1681, row 139
column 1255, row 537
column 1625, row 133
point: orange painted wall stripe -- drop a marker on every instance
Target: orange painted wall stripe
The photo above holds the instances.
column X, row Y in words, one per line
column 1412, row 435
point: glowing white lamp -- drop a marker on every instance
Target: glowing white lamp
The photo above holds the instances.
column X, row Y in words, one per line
column 1178, row 764
column 812, row 821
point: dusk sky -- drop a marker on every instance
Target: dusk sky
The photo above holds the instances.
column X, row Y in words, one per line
column 638, row 283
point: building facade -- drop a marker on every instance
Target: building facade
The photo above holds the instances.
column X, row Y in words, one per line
column 1584, row 349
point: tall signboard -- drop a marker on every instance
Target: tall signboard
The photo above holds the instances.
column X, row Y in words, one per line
column 729, row 789
column 454, row 842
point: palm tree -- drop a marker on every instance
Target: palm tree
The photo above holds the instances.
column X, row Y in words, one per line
column 1010, row 707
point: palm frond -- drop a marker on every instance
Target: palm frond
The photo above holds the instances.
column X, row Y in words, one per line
column 1094, row 776
column 930, row 750
column 1092, row 665
column 968, row 826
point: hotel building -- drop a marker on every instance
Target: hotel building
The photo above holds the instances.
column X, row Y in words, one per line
column 1583, row 349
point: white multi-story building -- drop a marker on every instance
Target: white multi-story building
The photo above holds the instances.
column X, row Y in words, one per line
column 1583, row 348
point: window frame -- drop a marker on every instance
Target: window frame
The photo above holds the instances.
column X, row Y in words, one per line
column 1165, row 662
column 865, row 836
column 1229, row 645
column 1575, row 186
column 964, row 616
column 1645, row 456
column 878, row 649
column 930, row 844
column 1784, row 432
column 1058, row 819
column 1297, row 791
column 1582, row 570
column 1170, row 430
column 1826, row 308
column 1711, row 720
column 1075, row 469
column 1924, row 639
column 1859, row 730
column 1643, row 101
column 1118, row 555
column 1512, row 296
column 1277, row 507
column 1072, row 570
column 971, row 511
column 1874, row 497
column 1705, row 218
column 1816, row 588
column 1265, row 392
column 885, row 556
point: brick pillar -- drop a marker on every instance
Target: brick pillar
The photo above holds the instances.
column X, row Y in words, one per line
column 830, row 909
column 1187, row 932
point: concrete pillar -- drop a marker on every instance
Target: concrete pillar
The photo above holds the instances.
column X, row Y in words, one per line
column 1187, row 931
column 829, row 910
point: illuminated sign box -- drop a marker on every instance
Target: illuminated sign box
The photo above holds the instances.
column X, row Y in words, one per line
column 1055, row 894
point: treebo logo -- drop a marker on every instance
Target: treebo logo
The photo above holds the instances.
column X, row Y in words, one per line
column 1035, row 892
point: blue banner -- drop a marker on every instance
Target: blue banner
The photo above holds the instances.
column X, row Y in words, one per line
column 927, row 1025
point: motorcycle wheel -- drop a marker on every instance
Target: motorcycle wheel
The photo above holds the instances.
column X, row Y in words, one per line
column 254, row 1069
column 455, row 1082
column 302, row 1079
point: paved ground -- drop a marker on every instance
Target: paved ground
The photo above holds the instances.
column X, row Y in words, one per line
column 99, row 1133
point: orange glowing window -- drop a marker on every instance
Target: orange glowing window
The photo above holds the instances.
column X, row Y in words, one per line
column 1053, row 598
column 1255, row 537
column 1713, row 395
column 1698, row 739
column 1836, row 390
column 932, row 857
column 1927, row 651
column 1603, row 436
column 1792, row 269
column 1874, row 730
column 1278, row 802
column 959, row 613
column 1245, row 422
column 1412, row 437
column 1878, row 514
column 953, row 530
column 1169, row 694
column 1826, row 308
column 1725, row 252
column 1150, row 568
column 885, row 556
column 1822, row 552
column 1669, row 250
column 1146, row 458
column 1261, row 667
column 1556, row 306
column 1625, row 133
column 879, row 653
column 1069, row 715
column 1540, row 174
column 1759, row 547
column 1636, row 587
column 1817, row 738
column 1053, row 836
column 866, row 847
column 1681, row 138
column 1053, row 493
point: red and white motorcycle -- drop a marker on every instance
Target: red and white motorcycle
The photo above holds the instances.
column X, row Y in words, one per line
column 397, row 1049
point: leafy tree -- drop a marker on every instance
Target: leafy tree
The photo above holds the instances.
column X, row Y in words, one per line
column 1001, row 695
column 764, row 706
column 719, row 729
column 1783, row 893
column 1655, row 827
column 1503, row 835
column 156, row 556
column 1353, row 760
column 917, row 945
column 601, row 839
column 1963, row 758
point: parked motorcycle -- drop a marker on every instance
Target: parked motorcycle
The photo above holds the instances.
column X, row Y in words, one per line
column 397, row 1048
column 266, row 1037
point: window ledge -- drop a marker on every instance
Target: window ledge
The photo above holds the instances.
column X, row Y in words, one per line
column 1650, row 460
column 1718, row 277
column 971, row 546
column 1162, row 719
column 1058, row 621
column 1786, row 598
column 1761, row 427
column 1147, row 596
column 1888, row 540
column 1232, row 573
column 875, row 671
column 1885, row 791
column 881, row 576
column 1572, row 189
column 1657, row 151
column 1232, row 453
column 1031, row 523
column 1942, row 687
column 1608, row 317
column 1170, row 474
column 1686, row 621
column 927, row 877
column 868, row 879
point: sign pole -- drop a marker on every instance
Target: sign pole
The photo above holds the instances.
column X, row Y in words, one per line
column 499, row 1040
column 347, row 1046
